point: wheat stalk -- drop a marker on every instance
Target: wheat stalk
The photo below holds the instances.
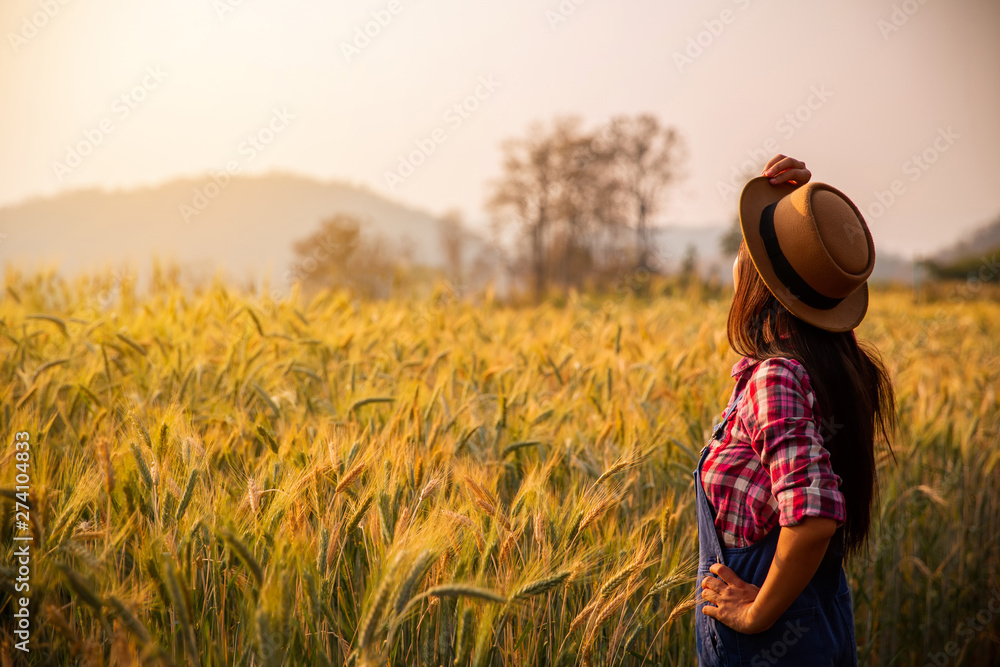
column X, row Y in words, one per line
column 540, row 586
column 359, row 513
column 350, row 476
column 253, row 495
column 682, row 608
column 188, row 492
column 595, row 513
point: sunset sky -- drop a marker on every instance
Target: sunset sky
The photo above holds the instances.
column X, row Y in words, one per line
column 873, row 95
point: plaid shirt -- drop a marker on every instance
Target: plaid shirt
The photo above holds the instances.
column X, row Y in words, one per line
column 770, row 467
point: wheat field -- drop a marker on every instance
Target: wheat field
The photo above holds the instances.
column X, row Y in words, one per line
column 218, row 478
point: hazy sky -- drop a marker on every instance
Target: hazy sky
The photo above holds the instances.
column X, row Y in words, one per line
column 857, row 88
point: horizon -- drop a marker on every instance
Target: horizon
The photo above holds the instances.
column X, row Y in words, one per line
column 280, row 172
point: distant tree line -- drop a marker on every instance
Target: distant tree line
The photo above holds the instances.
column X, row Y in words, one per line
column 984, row 268
column 343, row 253
column 571, row 207
column 977, row 258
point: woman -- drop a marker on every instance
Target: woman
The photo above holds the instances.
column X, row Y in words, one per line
column 786, row 485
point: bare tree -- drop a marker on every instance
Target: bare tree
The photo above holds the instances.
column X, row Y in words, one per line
column 646, row 156
column 588, row 203
column 569, row 191
column 526, row 195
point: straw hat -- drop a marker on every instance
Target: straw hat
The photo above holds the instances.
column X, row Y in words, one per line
column 812, row 248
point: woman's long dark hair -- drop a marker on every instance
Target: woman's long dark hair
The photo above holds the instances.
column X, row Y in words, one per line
column 853, row 388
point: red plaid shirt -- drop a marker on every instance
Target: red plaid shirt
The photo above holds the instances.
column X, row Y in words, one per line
column 770, row 467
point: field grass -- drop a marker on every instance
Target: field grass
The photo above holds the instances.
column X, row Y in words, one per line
column 221, row 479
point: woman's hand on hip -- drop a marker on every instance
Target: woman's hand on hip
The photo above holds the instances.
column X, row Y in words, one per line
column 732, row 598
column 748, row 609
column 784, row 169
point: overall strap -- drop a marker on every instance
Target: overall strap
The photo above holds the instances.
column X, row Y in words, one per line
column 710, row 548
column 719, row 429
column 712, row 644
column 708, row 539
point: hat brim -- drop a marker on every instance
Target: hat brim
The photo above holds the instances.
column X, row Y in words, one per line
column 757, row 195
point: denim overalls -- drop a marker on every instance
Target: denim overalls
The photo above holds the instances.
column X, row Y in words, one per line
column 816, row 630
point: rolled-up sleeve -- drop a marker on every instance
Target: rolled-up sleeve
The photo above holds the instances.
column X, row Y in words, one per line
column 785, row 428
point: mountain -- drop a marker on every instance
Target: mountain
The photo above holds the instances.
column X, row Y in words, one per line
column 245, row 227
column 972, row 259
column 982, row 241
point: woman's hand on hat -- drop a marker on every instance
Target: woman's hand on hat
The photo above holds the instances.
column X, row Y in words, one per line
column 784, row 169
